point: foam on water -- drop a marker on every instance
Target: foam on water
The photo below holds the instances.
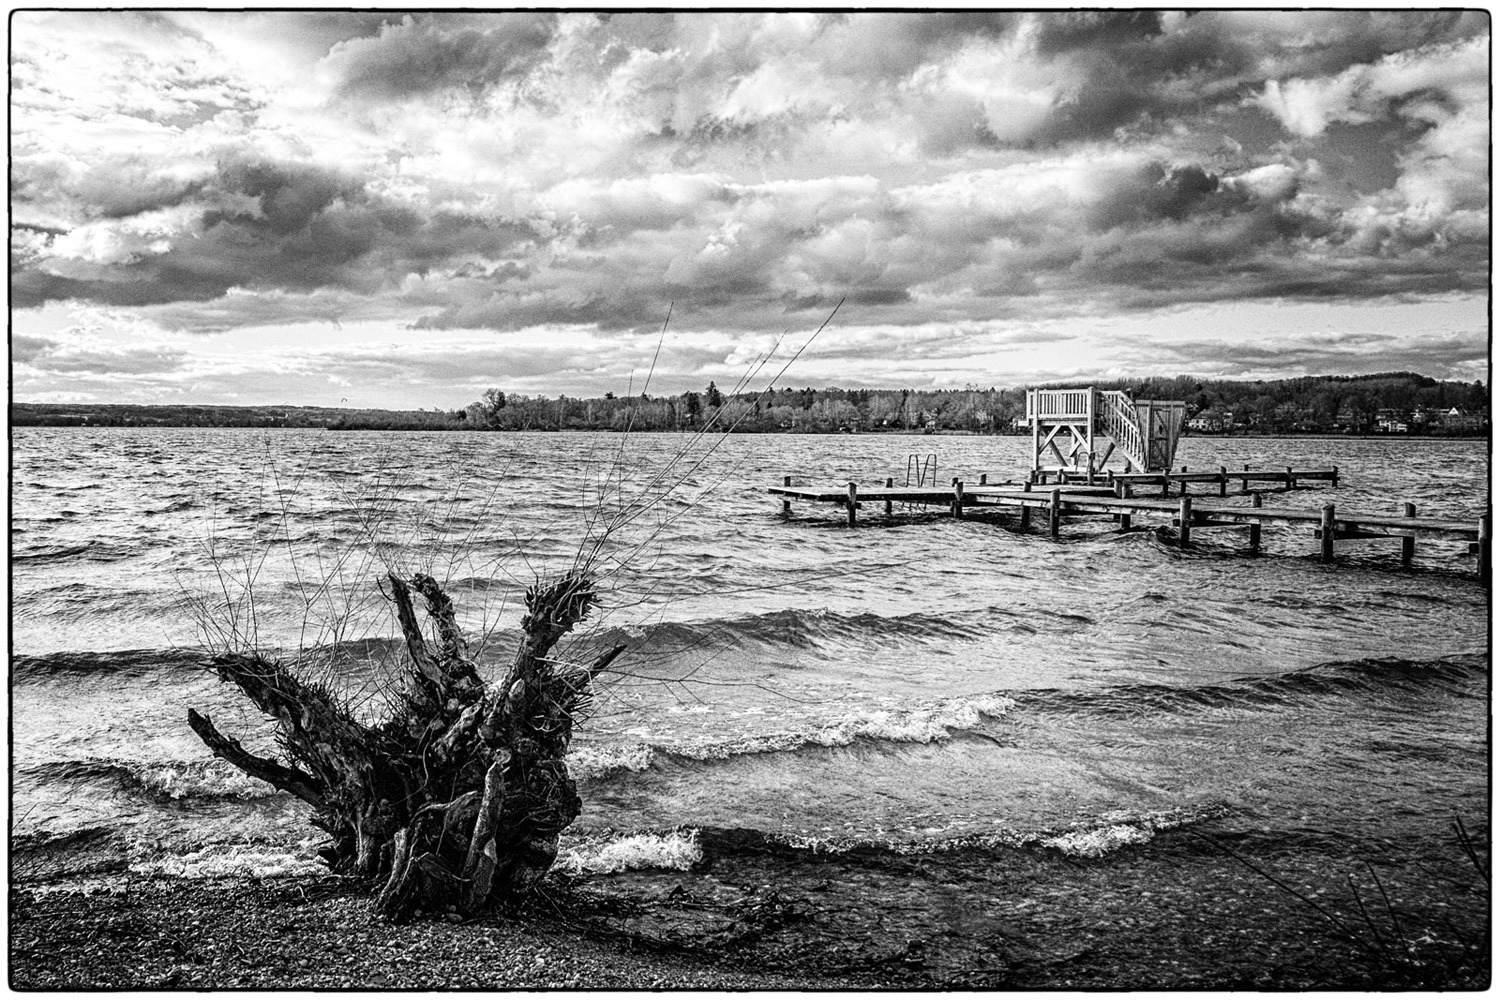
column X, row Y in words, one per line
column 677, row 850
column 202, row 780
column 1099, row 841
column 920, row 725
column 220, row 860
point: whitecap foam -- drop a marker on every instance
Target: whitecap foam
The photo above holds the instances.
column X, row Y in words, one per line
column 678, row 850
column 594, row 762
column 921, row 725
column 1099, row 841
column 220, row 860
column 202, row 780
column 1121, row 828
column 929, row 724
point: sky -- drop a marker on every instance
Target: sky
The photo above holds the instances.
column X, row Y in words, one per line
column 381, row 209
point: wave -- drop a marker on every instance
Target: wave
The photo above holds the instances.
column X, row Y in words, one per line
column 920, row 725
column 683, row 848
column 804, row 629
column 163, row 781
column 1452, row 674
column 54, row 554
column 126, row 662
column 675, row 849
column 90, row 551
column 222, row 860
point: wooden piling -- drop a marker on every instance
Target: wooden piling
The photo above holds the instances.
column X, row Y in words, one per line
column 1408, row 542
column 1223, row 481
column 958, row 498
column 984, row 479
column 1184, row 482
column 1255, row 501
column 1291, row 480
column 890, row 482
column 1054, row 514
column 786, row 505
column 1185, row 521
column 1124, row 522
column 1484, row 549
column 853, row 502
column 1327, row 532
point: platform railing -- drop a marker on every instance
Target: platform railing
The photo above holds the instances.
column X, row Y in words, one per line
column 1054, row 404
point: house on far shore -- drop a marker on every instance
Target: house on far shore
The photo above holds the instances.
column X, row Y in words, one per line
column 1456, row 420
column 1392, row 422
column 1211, row 422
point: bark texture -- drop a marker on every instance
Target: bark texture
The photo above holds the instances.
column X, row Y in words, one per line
column 458, row 798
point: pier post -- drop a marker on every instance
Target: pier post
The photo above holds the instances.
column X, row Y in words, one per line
column 1328, row 532
column 1185, row 520
column 1484, row 549
column 786, row 505
column 1166, row 483
column 890, row 483
column 1124, row 522
column 1025, row 510
column 958, row 498
column 1245, row 480
column 853, row 502
column 1255, row 501
column 1054, row 513
column 1291, row 480
column 984, row 479
column 1223, row 481
column 1408, row 542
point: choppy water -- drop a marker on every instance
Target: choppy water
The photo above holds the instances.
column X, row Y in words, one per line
column 921, row 685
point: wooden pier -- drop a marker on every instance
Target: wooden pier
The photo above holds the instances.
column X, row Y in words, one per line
column 1070, row 495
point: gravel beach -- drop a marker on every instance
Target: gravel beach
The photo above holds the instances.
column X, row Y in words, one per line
column 1185, row 914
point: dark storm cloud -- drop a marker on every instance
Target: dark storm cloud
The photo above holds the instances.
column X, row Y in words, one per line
column 275, row 226
column 1329, row 352
column 48, row 355
column 26, row 349
column 512, row 171
column 433, row 51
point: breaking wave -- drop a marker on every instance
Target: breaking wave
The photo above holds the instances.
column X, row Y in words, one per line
column 920, row 725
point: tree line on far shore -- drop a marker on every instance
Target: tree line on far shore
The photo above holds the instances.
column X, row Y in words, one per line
column 1398, row 402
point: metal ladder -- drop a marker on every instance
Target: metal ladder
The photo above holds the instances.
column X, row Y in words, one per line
column 922, row 467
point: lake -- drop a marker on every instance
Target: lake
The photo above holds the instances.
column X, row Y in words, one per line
column 924, row 685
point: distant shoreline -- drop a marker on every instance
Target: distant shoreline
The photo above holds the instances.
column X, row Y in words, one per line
column 455, row 428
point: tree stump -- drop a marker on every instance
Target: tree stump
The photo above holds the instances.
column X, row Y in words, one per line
column 458, row 798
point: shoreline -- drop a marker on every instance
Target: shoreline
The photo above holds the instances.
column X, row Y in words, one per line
column 1184, row 911
column 777, row 432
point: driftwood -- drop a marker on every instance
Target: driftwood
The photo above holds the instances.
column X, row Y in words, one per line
column 459, row 797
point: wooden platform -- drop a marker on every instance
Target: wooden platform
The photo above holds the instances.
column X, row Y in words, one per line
column 1109, row 498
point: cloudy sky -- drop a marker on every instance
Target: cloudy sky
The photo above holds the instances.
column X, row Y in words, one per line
column 403, row 210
